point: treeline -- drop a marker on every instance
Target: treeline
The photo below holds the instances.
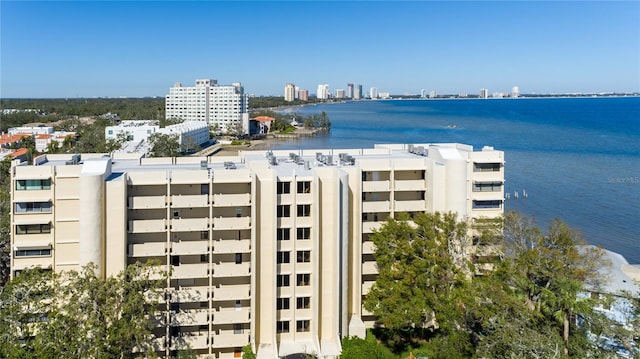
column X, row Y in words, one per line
column 277, row 101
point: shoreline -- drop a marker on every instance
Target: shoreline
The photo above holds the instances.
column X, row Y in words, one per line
column 266, row 143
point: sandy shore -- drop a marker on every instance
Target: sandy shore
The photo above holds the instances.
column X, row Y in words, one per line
column 265, row 144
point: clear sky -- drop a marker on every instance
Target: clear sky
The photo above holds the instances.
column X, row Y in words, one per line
column 135, row 49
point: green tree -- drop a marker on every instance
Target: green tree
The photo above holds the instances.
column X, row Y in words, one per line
column 5, row 219
column 356, row 348
column 419, row 283
column 77, row 314
column 164, row 145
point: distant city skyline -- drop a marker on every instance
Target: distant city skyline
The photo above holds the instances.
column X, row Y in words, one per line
column 138, row 49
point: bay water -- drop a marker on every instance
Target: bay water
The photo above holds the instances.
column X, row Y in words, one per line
column 577, row 159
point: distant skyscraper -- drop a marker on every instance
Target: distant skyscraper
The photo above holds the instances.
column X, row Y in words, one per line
column 515, row 91
column 433, row 94
column 223, row 105
column 484, row 93
column 340, row 93
column 423, row 93
column 304, row 95
column 323, row 92
column 373, row 92
column 289, row 92
column 297, row 93
column 357, row 94
column 349, row 90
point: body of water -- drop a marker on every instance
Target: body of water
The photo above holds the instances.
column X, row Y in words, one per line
column 578, row 159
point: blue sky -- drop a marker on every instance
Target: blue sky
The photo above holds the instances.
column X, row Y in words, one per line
column 93, row 48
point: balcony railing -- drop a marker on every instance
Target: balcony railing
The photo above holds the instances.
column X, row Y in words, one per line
column 147, row 225
column 231, row 269
column 187, row 295
column 369, row 227
column 193, row 341
column 185, row 271
column 410, row 206
column 230, row 316
column 375, row 206
column 189, row 224
column 230, row 340
column 232, row 246
column 369, row 268
column 373, row 186
column 231, row 200
column 190, row 317
column 232, row 292
column 368, row 247
column 409, row 185
column 189, row 201
column 149, row 249
column 233, row 223
column 190, row 247
column 147, row 202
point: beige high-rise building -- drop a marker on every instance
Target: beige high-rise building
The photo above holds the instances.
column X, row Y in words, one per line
column 289, row 92
column 267, row 248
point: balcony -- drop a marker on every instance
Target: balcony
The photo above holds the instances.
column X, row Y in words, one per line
column 410, row 185
column 232, row 292
column 189, row 224
column 149, row 249
column 230, row 340
column 368, row 247
column 375, row 206
column 190, row 247
column 147, row 202
column 366, row 287
column 375, row 186
column 232, row 223
column 189, row 201
column 232, row 246
column 189, row 294
column 231, row 200
column 186, row 271
column 190, row 317
column 410, row 206
column 193, row 341
column 369, row 227
column 369, row 268
column 231, row 269
column 230, row 316
column 147, row 225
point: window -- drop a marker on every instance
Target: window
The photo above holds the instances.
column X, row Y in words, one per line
column 282, row 327
column 32, row 252
column 238, row 212
column 283, row 234
column 486, row 167
column 303, row 256
column 175, row 260
column 238, row 258
column 204, row 189
column 303, row 303
column 303, row 233
column 304, row 210
column 283, row 257
column 204, row 258
column 487, row 187
column 33, row 228
column 31, row 185
column 284, row 211
column 302, row 326
column 237, row 328
column 303, row 280
column 204, row 234
column 284, row 187
column 282, row 303
column 491, row 204
column 304, row 187
column 283, row 280
column 33, row 207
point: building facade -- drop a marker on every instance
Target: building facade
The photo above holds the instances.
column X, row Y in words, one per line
column 270, row 249
column 289, row 92
column 304, row 95
column 357, row 94
column 350, row 90
column 217, row 105
column 323, row 92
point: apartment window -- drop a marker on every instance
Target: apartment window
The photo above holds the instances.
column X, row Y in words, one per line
column 204, row 234
column 491, row 204
column 284, row 211
column 303, row 280
column 175, row 260
column 284, row 187
column 204, row 189
column 204, row 258
column 304, row 210
column 303, row 303
column 487, row 187
column 238, row 212
column 282, row 303
column 33, row 207
column 238, row 329
column 282, row 326
column 302, row 325
column 283, row 234
column 303, row 233
column 32, row 252
column 304, row 187
column 31, row 185
column 33, row 228
column 282, row 280
column 283, row 257
column 486, row 167
column 303, row 256
column 238, row 258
